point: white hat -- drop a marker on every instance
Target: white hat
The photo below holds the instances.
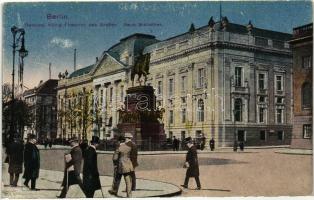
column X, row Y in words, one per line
column 128, row 135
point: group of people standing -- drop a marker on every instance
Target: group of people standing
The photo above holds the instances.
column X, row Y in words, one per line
column 17, row 154
column 124, row 161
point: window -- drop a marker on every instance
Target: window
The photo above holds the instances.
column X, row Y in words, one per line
column 110, row 94
column 280, row 135
column 263, row 135
column 278, row 44
column 279, row 114
column 170, row 134
column 198, row 133
column 262, row 99
column 200, row 77
column 261, row 115
column 261, row 81
column 121, row 92
column 306, row 95
column 159, row 88
column 306, row 62
column 279, row 86
column 183, row 99
column 101, row 97
column 238, row 76
column 182, row 135
column 171, row 87
column 241, row 135
column 261, row 41
column 279, row 100
column 171, row 116
column 307, row 131
column 183, row 83
column 238, row 110
column 200, row 110
column 183, row 115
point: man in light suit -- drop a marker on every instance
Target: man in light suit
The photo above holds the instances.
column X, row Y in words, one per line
column 72, row 168
column 124, row 167
column 128, row 138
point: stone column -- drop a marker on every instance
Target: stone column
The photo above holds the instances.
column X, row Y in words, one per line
column 95, row 107
column 104, row 112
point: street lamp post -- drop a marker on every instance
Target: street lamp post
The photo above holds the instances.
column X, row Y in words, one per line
column 22, row 53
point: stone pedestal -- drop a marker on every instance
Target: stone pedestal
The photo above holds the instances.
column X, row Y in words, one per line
column 141, row 118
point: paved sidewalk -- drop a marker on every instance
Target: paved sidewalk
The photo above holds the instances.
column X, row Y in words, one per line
column 295, row 151
column 50, row 181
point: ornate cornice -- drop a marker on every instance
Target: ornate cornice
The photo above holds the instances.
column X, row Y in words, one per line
column 227, row 45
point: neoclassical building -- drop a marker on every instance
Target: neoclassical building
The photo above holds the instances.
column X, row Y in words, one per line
column 225, row 81
column 302, row 48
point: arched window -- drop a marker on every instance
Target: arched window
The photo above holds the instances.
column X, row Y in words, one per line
column 200, row 110
column 238, row 110
column 306, row 94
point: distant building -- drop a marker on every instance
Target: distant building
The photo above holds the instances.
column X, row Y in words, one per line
column 302, row 49
column 43, row 103
column 75, row 104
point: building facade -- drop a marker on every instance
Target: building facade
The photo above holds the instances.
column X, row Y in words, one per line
column 43, row 104
column 75, row 104
column 224, row 81
column 302, row 48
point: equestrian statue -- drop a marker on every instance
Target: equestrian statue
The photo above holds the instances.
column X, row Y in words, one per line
column 141, row 68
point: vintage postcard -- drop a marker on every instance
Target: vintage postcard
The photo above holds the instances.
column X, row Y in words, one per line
column 157, row 99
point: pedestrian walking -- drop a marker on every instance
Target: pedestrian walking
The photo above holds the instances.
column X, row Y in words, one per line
column 15, row 159
column 91, row 179
column 31, row 162
column 235, row 146
column 125, row 168
column 241, row 145
column 203, row 140
column 175, row 143
column 191, row 163
column 73, row 162
column 133, row 157
column 50, row 143
column 46, row 143
column 212, row 144
column 115, row 160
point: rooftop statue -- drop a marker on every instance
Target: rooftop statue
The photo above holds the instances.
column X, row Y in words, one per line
column 141, row 68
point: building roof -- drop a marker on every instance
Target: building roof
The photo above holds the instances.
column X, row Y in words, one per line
column 82, row 71
column 231, row 28
column 134, row 44
column 47, row 87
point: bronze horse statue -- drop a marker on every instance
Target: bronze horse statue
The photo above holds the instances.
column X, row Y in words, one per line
column 141, row 68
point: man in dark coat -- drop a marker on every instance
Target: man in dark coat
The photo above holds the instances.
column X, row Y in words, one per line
column 91, row 179
column 175, row 144
column 15, row 155
column 133, row 157
column 73, row 162
column 191, row 163
column 212, row 144
column 31, row 162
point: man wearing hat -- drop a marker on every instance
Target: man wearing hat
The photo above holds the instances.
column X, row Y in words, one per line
column 73, row 162
column 91, row 179
column 191, row 163
column 133, row 156
column 31, row 162
column 124, row 167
